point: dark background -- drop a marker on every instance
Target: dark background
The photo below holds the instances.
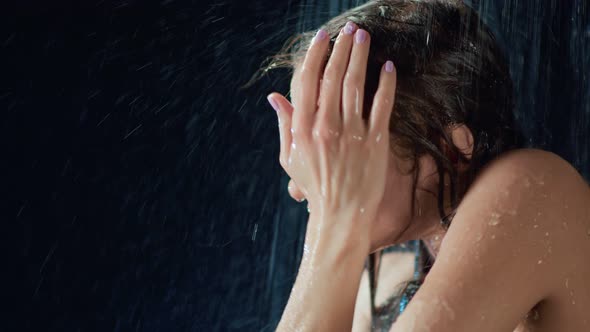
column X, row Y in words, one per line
column 142, row 190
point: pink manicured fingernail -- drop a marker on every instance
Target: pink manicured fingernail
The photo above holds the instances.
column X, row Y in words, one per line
column 320, row 35
column 349, row 28
column 389, row 66
column 360, row 36
column 273, row 103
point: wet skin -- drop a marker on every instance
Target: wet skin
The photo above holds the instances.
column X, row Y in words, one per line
column 518, row 246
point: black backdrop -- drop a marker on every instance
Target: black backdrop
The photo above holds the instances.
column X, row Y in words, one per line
column 142, row 190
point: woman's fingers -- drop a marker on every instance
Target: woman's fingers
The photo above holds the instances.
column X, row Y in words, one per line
column 354, row 86
column 383, row 102
column 328, row 115
column 309, row 77
column 284, row 111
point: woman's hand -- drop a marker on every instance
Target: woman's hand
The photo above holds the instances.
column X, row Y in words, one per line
column 338, row 161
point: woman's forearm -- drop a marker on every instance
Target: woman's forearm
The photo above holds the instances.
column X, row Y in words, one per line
column 324, row 294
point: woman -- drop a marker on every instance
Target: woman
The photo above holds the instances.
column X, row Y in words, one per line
column 426, row 149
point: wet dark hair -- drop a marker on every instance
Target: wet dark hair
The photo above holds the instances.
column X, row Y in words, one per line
column 450, row 71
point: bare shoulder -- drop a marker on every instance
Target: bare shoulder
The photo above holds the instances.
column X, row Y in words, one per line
column 533, row 163
column 519, row 232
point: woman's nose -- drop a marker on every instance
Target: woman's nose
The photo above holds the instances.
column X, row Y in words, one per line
column 295, row 192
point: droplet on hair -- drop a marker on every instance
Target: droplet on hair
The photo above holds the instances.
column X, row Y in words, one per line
column 382, row 10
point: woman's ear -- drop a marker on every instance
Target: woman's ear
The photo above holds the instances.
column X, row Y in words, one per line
column 462, row 139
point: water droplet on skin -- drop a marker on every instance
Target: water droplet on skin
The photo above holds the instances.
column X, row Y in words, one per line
column 495, row 219
column 358, row 138
column 479, row 237
column 564, row 225
column 493, row 236
column 546, row 233
column 292, row 130
column 378, row 137
column 549, row 249
column 294, row 146
column 535, row 226
column 290, row 160
column 357, row 102
column 323, row 190
column 334, row 133
column 527, row 183
column 567, row 282
column 316, row 133
column 540, row 261
column 362, row 210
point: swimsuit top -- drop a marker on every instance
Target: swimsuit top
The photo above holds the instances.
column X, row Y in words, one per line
column 383, row 316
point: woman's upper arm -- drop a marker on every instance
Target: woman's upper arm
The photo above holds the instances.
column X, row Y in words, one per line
column 500, row 253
